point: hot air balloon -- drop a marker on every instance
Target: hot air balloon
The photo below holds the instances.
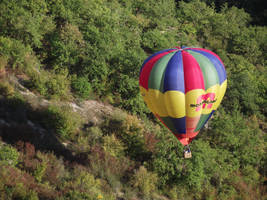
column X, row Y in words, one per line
column 183, row 87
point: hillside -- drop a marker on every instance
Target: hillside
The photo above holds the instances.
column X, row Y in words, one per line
column 73, row 124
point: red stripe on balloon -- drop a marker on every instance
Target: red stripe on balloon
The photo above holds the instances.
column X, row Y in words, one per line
column 144, row 76
column 185, row 140
column 193, row 76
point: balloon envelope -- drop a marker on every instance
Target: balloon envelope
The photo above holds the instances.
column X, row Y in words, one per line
column 183, row 88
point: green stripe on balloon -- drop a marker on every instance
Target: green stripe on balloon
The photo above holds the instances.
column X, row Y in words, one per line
column 202, row 121
column 208, row 70
column 156, row 77
column 169, row 123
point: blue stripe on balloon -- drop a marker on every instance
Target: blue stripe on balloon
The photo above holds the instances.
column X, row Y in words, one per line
column 179, row 124
column 174, row 74
column 162, row 51
column 217, row 64
column 209, row 117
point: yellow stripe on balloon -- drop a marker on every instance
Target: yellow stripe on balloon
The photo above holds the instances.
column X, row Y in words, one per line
column 144, row 94
column 148, row 100
column 156, row 98
column 214, row 89
column 175, row 103
column 155, row 101
column 171, row 103
column 190, row 102
column 220, row 94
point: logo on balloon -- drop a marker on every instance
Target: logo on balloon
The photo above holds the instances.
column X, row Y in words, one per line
column 204, row 100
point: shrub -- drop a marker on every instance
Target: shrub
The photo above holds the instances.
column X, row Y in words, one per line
column 40, row 171
column 113, row 146
column 145, row 181
column 8, row 155
column 167, row 162
column 66, row 48
column 50, row 84
column 109, row 167
column 81, row 87
column 17, row 184
column 91, row 136
column 38, row 82
column 175, row 192
column 58, row 85
column 21, row 192
column 63, row 120
column 6, row 89
column 3, row 62
column 51, row 169
column 131, row 132
column 86, row 181
column 14, row 52
column 82, row 185
column 95, row 133
column 114, row 122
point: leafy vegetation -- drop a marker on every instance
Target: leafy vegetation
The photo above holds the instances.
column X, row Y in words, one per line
column 73, row 50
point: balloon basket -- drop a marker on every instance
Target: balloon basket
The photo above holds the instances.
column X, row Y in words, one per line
column 187, row 155
column 187, row 152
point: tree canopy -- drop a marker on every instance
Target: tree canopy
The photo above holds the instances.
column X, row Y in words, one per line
column 93, row 49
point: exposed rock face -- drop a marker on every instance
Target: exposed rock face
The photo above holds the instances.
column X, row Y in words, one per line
column 92, row 111
column 19, row 123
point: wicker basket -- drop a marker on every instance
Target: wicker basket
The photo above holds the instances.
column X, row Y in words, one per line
column 187, row 154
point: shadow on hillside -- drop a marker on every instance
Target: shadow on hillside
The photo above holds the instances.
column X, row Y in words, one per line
column 20, row 122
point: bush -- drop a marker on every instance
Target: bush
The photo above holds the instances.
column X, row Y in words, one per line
column 63, row 120
column 113, row 146
column 40, row 171
column 58, row 85
column 6, row 89
column 82, row 185
column 51, row 169
column 21, row 192
column 145, row 181
column 17, row 184
column 167, row 162
column 131, row 132
column 3, row 62
column 114, row 122
column 109, row 167
column 14, row 52
column 8, row 155
column 81, row 87
column 95, row 135
column 50, row 84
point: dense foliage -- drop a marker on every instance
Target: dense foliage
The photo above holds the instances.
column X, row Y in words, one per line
column 65, row 50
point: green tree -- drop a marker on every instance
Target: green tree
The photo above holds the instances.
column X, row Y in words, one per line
column 26, row 21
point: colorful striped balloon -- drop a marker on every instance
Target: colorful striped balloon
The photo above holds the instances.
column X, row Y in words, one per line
column 183, row 87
